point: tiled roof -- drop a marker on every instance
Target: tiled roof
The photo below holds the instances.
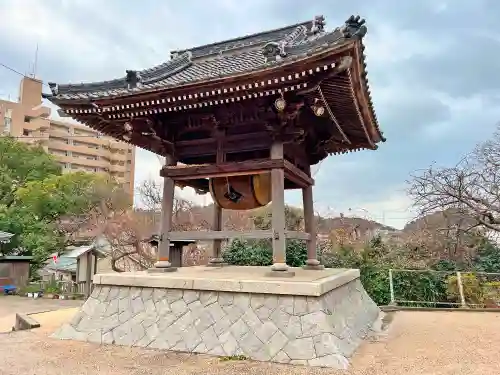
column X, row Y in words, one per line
column 224, row 59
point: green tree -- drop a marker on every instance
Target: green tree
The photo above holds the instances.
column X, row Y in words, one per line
column 20, row 164
column 42, row 206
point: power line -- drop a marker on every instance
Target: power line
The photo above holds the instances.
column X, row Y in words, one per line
column 19, row 73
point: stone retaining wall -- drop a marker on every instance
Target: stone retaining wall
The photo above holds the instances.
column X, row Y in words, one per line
column 315, row 331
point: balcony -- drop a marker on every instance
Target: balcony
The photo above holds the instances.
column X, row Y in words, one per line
column 81, row 161
column 117, row 168
column 116, row 156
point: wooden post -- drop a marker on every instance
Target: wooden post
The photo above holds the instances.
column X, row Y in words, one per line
column 88, row 274
column 217, row 260
column 95, row 263
column 279, row 267
column 163, row 264
column 312, row 262
column 391, row 289
column 77, row 269
column 463, row 303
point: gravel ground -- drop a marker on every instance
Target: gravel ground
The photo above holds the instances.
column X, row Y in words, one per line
column 434, row 343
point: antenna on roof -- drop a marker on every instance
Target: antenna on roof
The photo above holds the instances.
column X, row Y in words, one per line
column 35, row 62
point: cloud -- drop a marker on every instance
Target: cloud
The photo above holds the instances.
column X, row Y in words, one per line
column 431, row 65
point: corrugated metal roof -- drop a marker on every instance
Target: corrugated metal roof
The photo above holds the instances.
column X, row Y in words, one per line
column 5, row 236
column 16, row 258
column 78, row 251
column 63, row 264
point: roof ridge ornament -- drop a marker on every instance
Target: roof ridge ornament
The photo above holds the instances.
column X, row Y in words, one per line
column 133, row 79
column 354, row 27
column 318, row 24
column 274, row 51
column 54, row 88
column 292, row 38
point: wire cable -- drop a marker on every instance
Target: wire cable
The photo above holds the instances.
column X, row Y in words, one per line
column 19, row 73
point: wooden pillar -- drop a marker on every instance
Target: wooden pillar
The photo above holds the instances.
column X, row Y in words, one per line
column 279, row 267
column 163, row 264
column 312, row 262
column 216, row 259
column 88, row 274
column 95, row 263
column 77, row 270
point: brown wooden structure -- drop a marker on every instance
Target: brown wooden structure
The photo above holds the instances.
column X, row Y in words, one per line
column 15, row 270
column 269, row 104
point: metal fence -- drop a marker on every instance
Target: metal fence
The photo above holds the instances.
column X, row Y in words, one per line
column 456, row 289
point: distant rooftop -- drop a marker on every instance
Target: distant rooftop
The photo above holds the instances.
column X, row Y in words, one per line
column 16, row 258
column 5, row 237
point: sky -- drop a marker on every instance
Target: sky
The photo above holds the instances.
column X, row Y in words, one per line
column 432, row 68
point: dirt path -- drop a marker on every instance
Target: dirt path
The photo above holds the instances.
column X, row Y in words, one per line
column 434, row 343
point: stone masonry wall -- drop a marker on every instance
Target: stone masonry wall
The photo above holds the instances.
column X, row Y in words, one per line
column 314, row 331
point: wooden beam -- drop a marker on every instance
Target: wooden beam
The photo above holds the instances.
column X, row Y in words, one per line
column 297, row 235
column 225, row 234
column 201, row 185
column 231, row 144
column 199, row 173
column 297, row 176
column 190, row 172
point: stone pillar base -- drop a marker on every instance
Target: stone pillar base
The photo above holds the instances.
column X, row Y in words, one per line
column 216, row 262
column 162, row 270
column 275, row 273
column 318, row 319
column 313, row 264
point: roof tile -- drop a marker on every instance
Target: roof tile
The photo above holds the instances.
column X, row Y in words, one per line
column 218, row 60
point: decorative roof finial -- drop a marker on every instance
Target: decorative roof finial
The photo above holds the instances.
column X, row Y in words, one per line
column 354, row 27
column 133, row 79
column 318, row 24
column 272, row 50
column 53, row 88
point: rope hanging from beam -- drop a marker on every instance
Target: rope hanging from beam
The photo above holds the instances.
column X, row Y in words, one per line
column 332, row 116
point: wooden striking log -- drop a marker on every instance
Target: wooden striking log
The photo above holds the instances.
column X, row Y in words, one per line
column 227, row 234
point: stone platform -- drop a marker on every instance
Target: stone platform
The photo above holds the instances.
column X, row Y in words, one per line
column 317, row 318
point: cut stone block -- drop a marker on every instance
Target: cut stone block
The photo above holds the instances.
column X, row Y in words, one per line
column 317, row 318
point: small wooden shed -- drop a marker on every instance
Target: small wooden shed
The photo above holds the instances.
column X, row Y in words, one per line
column 86, row 264
column 15, row 270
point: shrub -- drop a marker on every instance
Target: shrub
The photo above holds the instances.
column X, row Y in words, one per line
column 473, row 292
column 259, row 253
column 420, row 286
column 491, row 294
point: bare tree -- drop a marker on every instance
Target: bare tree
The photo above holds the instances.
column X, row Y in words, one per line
column 467, row 195
column 128, row 231
column 471, row 188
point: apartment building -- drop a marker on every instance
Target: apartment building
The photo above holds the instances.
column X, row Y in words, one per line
column 75, row 147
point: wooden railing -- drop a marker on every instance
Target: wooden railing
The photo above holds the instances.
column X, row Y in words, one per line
column 65, row 286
